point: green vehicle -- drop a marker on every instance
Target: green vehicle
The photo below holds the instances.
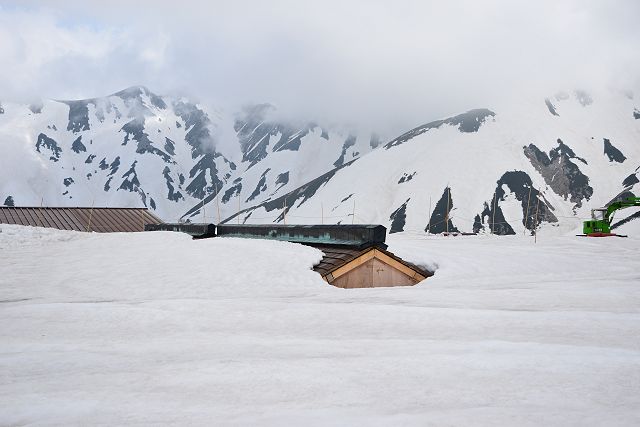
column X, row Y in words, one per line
column 601, row 218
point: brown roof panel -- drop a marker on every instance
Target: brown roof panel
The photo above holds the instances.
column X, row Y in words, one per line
column 103, row 220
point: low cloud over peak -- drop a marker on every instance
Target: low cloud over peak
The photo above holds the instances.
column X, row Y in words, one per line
column 363, row 61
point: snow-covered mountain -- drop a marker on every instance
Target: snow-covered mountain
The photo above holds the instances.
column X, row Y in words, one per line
column 504, row 170
column 135, row 148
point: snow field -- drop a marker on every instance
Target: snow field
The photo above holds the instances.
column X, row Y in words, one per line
column 153, row 328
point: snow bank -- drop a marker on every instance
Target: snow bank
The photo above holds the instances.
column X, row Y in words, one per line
column 155, row 328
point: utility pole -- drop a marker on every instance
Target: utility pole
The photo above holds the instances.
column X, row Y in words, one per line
column 535, row 239
column 353, row 213
column 284, row 210
column 90, row 215
column 446, row 217
column 526, row 220
column 218, row 203
column 429, row 213
column 493, row 213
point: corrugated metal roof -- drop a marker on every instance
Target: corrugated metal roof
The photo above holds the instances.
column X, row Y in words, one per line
column 101, row 220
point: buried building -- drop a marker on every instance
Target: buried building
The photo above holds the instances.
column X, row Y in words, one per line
column 355, row 256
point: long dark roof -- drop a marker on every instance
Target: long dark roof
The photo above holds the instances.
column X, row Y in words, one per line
column 102, row 220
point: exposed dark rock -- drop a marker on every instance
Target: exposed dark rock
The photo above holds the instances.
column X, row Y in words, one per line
column 50, row 144
column 346, row 198
column 551, row 107
column 198, row 186
column 178, row 125
column 67, row 181
column 440, row 220
column 152, row 203
column 497, row 222
column 471, row 120
column 115, row 165
column 349, row 142
column 103, row 163
column 9, row 201
column 135, row 130
column 636, row 114
column 630, row 180
column 260, row 187
column 133, row 95
column 255, row 132
column 560, row 173
column 170, row 146
column 130, row 182
column 1, row 109
column 531, row 200
column 173, row 195
column 107, row 185
column 398, row 218
column 78, row 146
column 291, row 139
column 478, row 226
column 325, row 134
column 197, row 124
column 282, row 180
column 233, row 191
column 583, row 98
column 612, row 152
column 299, row 195
column 406, row 177
column 466, row 122
column 78, row 115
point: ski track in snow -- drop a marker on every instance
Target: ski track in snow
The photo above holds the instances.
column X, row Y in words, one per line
column 155, row 328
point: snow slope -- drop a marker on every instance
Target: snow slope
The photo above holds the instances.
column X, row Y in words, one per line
column 135, row 148
column 155, row 328
column 504, row 169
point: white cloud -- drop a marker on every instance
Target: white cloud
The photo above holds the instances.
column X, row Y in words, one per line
column 402, row 62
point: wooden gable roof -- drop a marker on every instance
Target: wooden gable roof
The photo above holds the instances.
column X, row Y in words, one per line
column 341, row 260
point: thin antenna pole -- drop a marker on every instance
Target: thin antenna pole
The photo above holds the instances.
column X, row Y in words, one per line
column 526, row 220
column 446, row 217
column 284, row 210
column 238, row 206
column 429, row 223
column 353, row 213
column 90, row 216
column 218, row 203
column 535, row 239
column 41, row 215
column 493, row 213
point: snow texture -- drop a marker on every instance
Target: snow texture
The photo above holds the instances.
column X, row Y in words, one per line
column 156, row 328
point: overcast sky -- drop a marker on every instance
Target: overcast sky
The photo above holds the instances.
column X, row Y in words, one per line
column 404, row 62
